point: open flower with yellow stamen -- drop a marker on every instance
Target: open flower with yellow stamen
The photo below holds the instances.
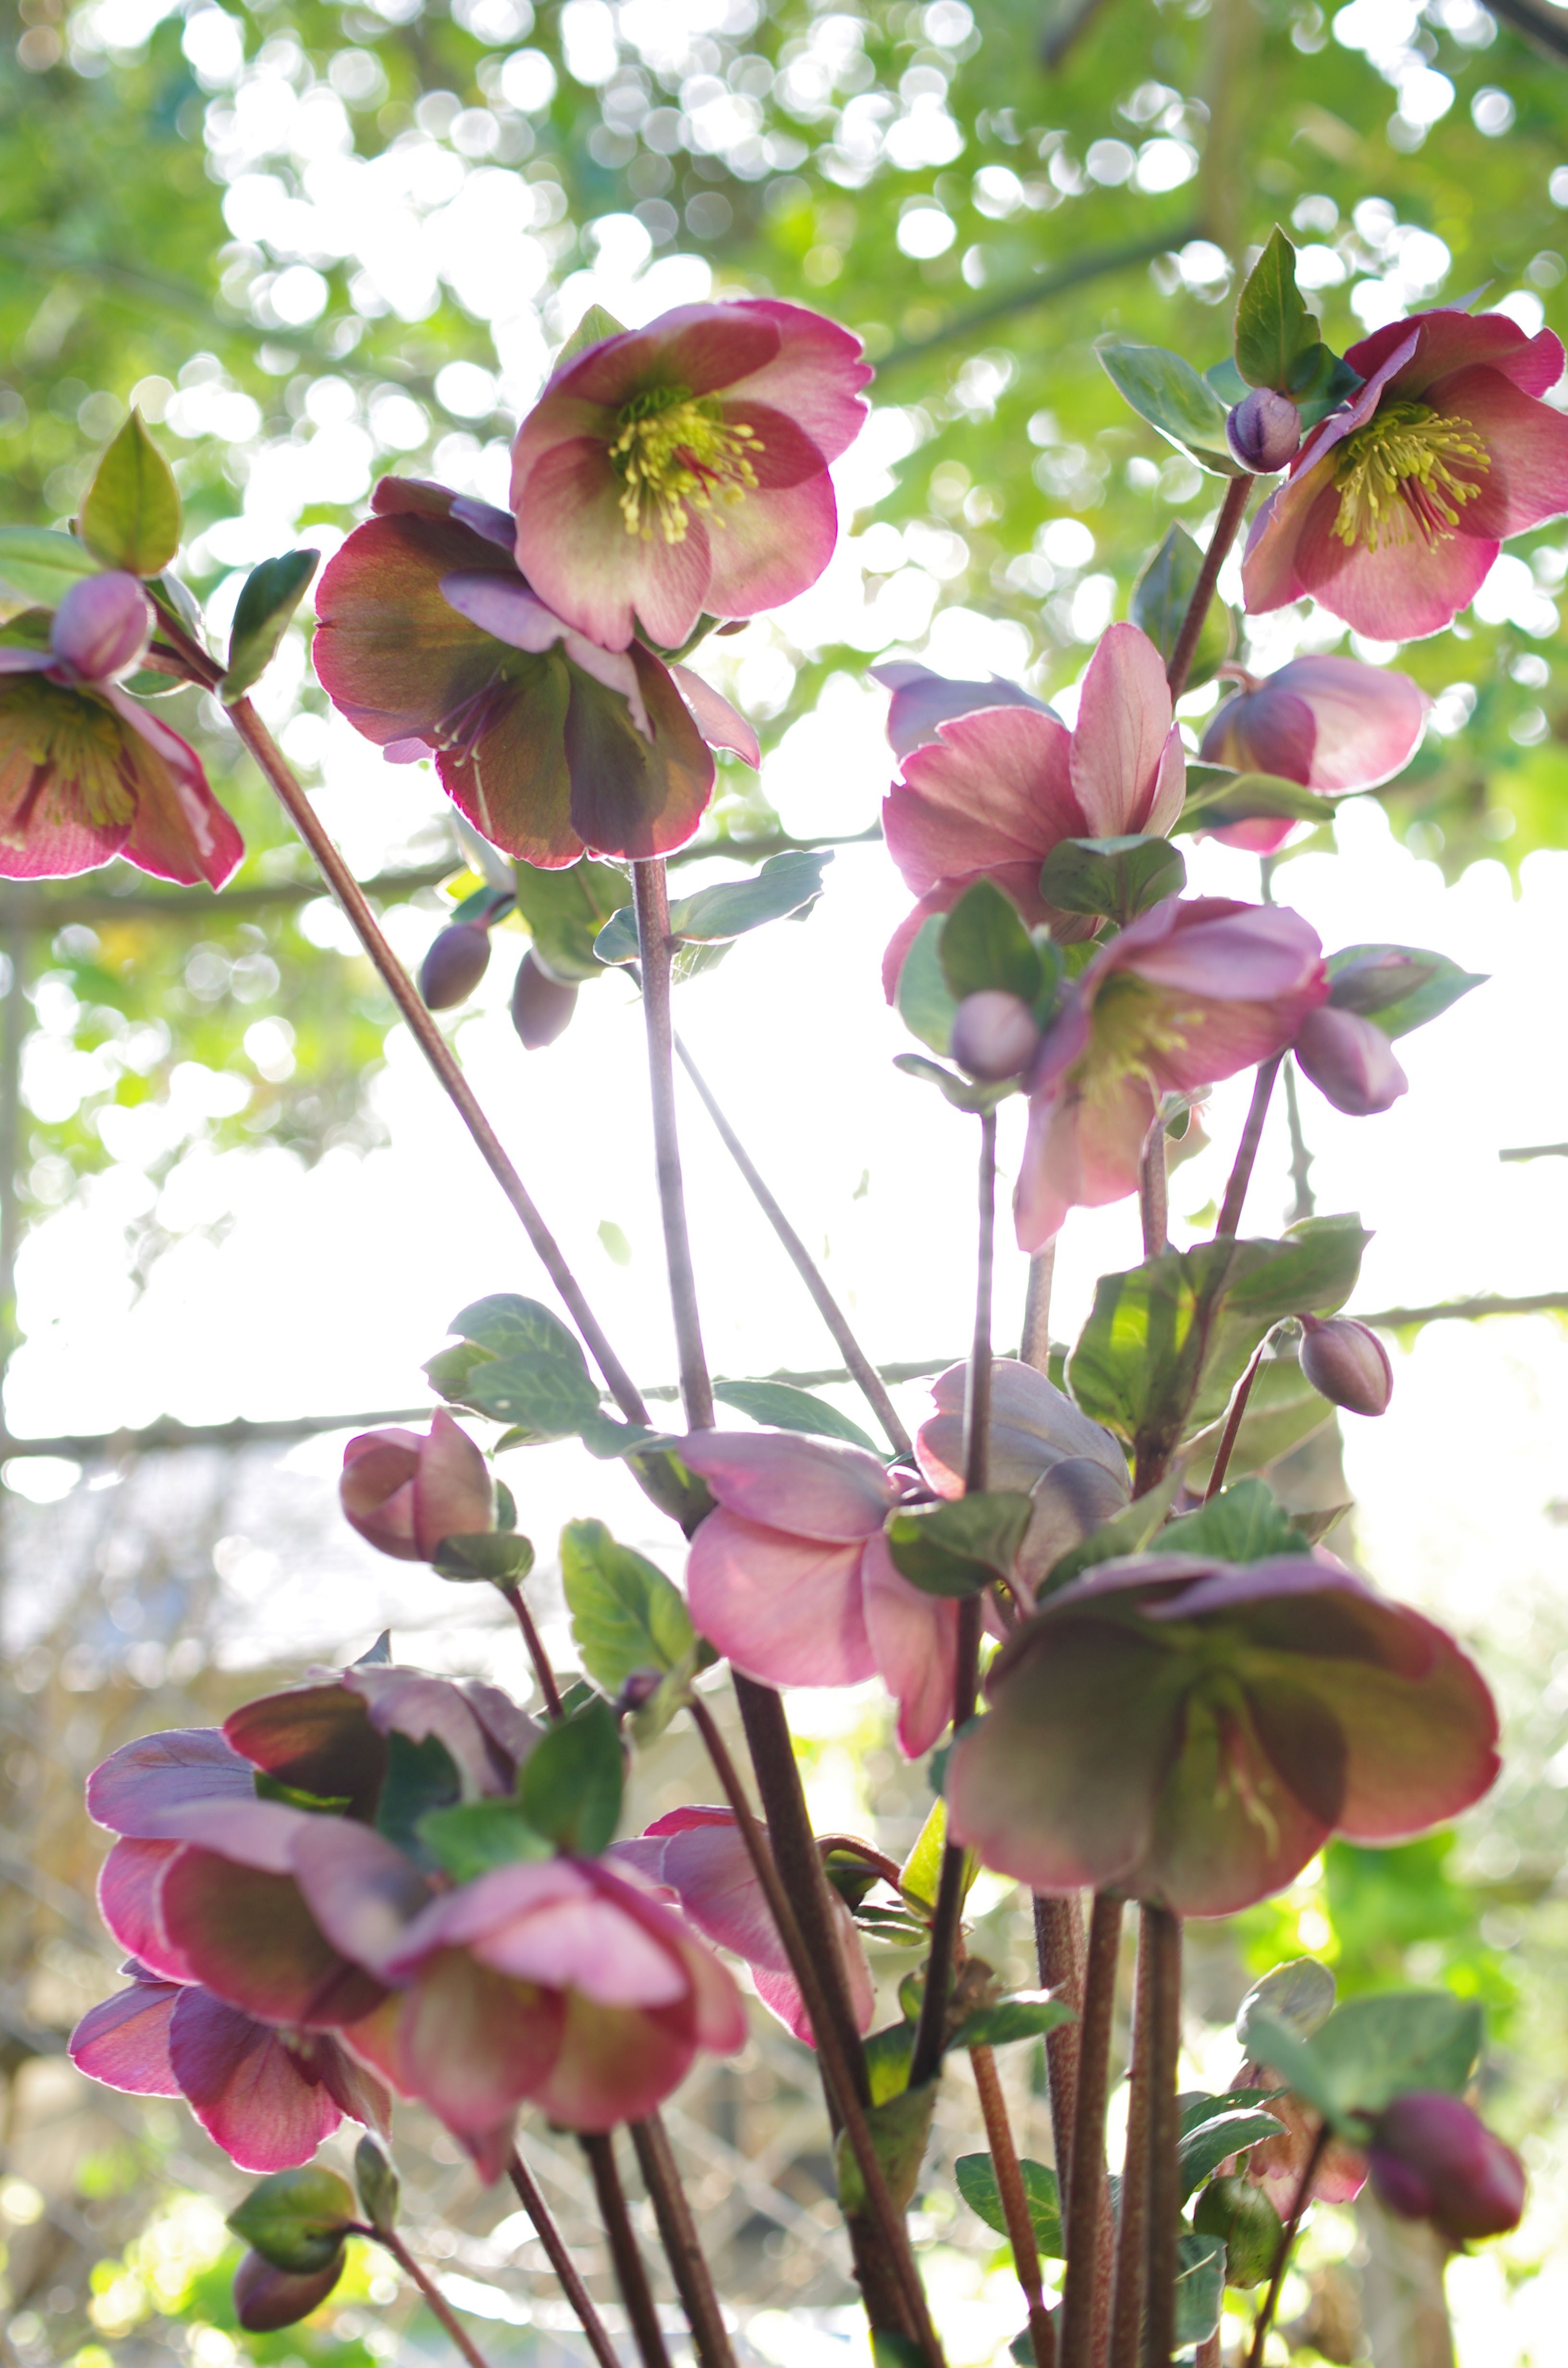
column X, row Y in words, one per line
column 682, row 468
column 1398, row 505
column 1193, row 990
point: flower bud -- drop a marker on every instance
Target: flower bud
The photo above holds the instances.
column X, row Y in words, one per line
column 1347, row 1363
column 995, row 1034
column 296, row 2219
column 1350, row 1061
column 1265, row 431
column 405, row 1494
column 1432, row 2159
column 102, row 626
column 267, row 2299
column 454, row 965
column 1243, row 2214
column 542, row 1005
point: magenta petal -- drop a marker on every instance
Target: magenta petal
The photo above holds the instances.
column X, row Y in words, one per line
column 1211, row 947
column 258, row 2096
column 376, row 1489
column 482, row 1728
column 574, row 547
column 473, row 2045
column 1350, row 1061
column 503, row 606
column 1400, row 593
column 134, row 1789
column 1119, row 740
column 915, row 1639
column 1526, row 444
column 16, row 661
column 250, row 1938
column 1033, row 1426
column 815, row 377
column 124, row 2042
column 1329, row 722
column 803, row 1487
column 179, row 831
column 722, row 726
column 453, row 1493
column 129, row 1882
column 361, row 1890
column 921, row 700
column 769, row 546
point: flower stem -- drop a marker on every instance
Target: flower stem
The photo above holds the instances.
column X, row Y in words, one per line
column 1132, row 2220
column 1085, row 2225
column 422, row 1026
column 1154, row 1198
column 651, row 891
column 630, row 2273
column 1246, row 1151
column 1059, row 1952
column 1035, row 1347
column 1015, row 2202
column 537, row 1655
column 1232, row 1424
column 1301, row 1157
column 1231, row 510
column 1161, row 1935
column 1288, row 2234
column 567, row 2274
column 683, row 2249
column 438, row 2306
column 931, row 2032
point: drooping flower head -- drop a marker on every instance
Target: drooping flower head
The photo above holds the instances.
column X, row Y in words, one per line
column 1331, row 723
column 1190, row 992
column 1432, row 2158
column 993, row 791
column 682, row 469
column 1399, row 503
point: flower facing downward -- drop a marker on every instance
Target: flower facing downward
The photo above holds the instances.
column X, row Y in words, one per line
column 1432, row 2159
column 405, row 1493
column 1331, row 723
column 1399, row 503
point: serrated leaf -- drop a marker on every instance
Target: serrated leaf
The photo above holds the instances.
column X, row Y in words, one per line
column 1027, row 2014
column 959, row 1547
column 1199, row 2289
column 38, row 565
column 1161, row 597
column 1117, row 878
column 132, row 514
column 785, row 884
column 1277, row 337
column 1167, row 391
column 783, row 1407
column 982, row 943
column 270, row 595
column 976, row 2177
column 570, row 1785
column 625, row 1615
column 1244, row 1523
column 925, row 1001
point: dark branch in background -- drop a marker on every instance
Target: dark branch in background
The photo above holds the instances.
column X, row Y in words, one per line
column 966, row 326
column 1544, row 28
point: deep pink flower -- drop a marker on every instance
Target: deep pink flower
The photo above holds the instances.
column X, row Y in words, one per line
column 698, row 1854
column 432, row 644
column 791, row 1578
column 995, row 791
column 1331, row 723
column 1398, row 504
column 1431, row 2159
column 405, row 1494
column 682, row 469
column 1190, row 992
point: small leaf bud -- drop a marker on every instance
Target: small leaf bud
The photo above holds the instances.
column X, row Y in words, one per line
column 296, row 2220
column 542, row 1005
column 377, row 2182
column 267, row 2299
column 1432, row 2159
column 1347, row 1363
column 1265, row 431
column 102, row 625
column 995, row 1034
column 454, row 965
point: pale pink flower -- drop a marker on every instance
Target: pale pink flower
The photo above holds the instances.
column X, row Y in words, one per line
column 1331, row 723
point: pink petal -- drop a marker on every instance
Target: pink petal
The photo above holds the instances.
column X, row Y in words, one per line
column 1211, row 946
column 802, row 1486
column 15, row 661
column 1399, row 593
column 1450, row 340
column 503, row 607
column 815, row 377
column 179, row 831
column 1170, row 787
column 361, row 1890
column 1033, row 1426
column 376, row 1489
column 1350, row 1061
column 588, row 1945
column 133, row 1789
column 994, row 789
column 1078, row 1155
column 1121, row 735
column 784, row 1609
column 470, row 2044
column 315, row 1739
column 702, row 348
column 453, row 1493
column 250, row 1938
column 574, row 547
column 769, row 546
column 614, row 2064
column 921, row 700
column 915, row 1639
column 1526, row 445
column 483, row 1730
column 707, row 1864
column 129, row 1882
column 1329, row 722
column 720, row 724
column 634, row 793
column 260, row 2097
column 124, row 2042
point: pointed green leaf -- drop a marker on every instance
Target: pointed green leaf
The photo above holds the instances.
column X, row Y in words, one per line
column 1201, row 2152
column 131, row 515
column 40, row 566
column 1117, row 878
column 377, row 2182
column 1167, row 391
column 1299, row 1993
column 1199, row 2289
column 1217, row 797
column 964, row 1093
column 296, row 2219
column 1373, row 2049
column 1161, row 597
column 569, row 1787
column 785, row 884
column 983, row 943
column 625, row 1615
column 1027, row 2014
column 595, row 326
column 472, row 1837
column 1244, row 1523
column 959, row 1547
column 271, row 594
column 900, row 2130
column 1399, row 988
column 420, row 1777
column 564, row 911
column 976, row 2176
column 1276, row 335
column 783, row 1407
column 499, row 1555
column 925, row 1003
column 1248, row 2226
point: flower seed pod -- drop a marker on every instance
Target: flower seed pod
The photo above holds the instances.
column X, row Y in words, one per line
column 1265, row 431
column 542, row 1005
column 1432, row 2159
column 102, row 625
column 995, row 1034
column 1347, row 1363
column 454, row 965
column 267, row 2299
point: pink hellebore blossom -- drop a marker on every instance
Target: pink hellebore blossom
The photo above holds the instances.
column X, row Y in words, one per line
column 997, row 788
column 85, row 772
column 1431, row 2159
column 791, row 1578
column 405, row 1493
column 1399, row 503
column 699, row 1854
column 1190, row 992
column 1331, row 723
column 1276, row 2165
column 682, row 469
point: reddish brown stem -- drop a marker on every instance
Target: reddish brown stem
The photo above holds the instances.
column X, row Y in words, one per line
column 537, row 1654
column 1246, row 1151
column 1232, row 511
column 439, row 2307
column 1161, row 1935
column 1085, row 2223
column 1228, row 1437
column 1288, row 2234
column 683, row 2249
column 631, row 2273
column 1059, row 1950
column 1154, row 1198
column 566, row 2270
column 1133, row 2221
column 1015, row 2203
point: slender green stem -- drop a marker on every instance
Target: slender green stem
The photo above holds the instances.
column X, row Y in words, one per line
column 1085, row 2225
column 439, row 2307
column 1288, row 2234
column 630, row 2273
column 1015, row 2203
column 1132, row 2220
column 568, row 2275
column 682, row 2248
column 1232, row 511
column 1246, row 1151
column 536, row 1652
column 1161, row 1935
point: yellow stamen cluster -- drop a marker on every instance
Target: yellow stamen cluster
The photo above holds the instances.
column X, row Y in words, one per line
column 1133, row 1024
column 674, row 454
column 1399, row 480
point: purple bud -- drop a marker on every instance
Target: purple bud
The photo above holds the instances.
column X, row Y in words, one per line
column 639, row 1689
column 1347, row 1363
column 542, row 1005
column 1265, row 431
column 1351, row 1060
column 1432, row 2159
column 454, row 965
column 102, row 626
column 995, row 1034
column 267, row 2299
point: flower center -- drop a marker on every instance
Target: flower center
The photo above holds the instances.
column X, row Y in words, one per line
column 1399, row 480
column 675, row 454
column 82, row 767
column 1133, row 1025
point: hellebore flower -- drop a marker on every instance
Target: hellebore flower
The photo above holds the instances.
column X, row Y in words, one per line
column 922, row 701
column 1349, row 1060
column 791, row 1578
column 86, row 773
column 698, row 1854
column 1399, row 503
column 1038, row 1444
column 266, row 2097
column 1191, row 1733
column 997, row 790
column 1432, row 2159
column 682, row 468
column 431, row 643
column 405, row 1493
column 1331, row 723
column 1191, row 991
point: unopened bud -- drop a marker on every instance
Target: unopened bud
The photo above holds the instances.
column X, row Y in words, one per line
column 267, row 2299
column 995, row 1034
column 638, row 1691
column 1265, row 431
column 454, row 965
column 1243, row 2214
column 102, row 626
column 1432, row 2159
column 542, row 1005
column 1347, row 1363
column 1350, row 1061
column 297, row 2219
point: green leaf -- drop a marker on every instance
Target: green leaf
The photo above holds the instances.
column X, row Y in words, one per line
column 1299, row 1993
column 1200, row 2153
column 921, row 1870
column 784, row 1408
column 925, row 1003
column 888, row 2351
column 595, row 326
column 1270, row 2040
column 420, row 1777
column 1277, row 337
column 625, row 1615
column 38, row 565
column 296, row 2219
column 889, row 2054
column 271, row 594
column 1246, row 2223
column 1117, row 878
column 976, row 2176
column 1244, row 1523
column 1126, row 1533
column 569, row 1787
column 1375, row 981
column 1167, row 391
column 1199, row 2289
column 1373, row 2049
column 1320, row 383
column 957, row 1548
column 1217, row 797
column 1161, row 597
column 131, row 515
column 473, row 1836
column 964, row 1093
column 1227, row 381
column 784, row 884
column 502, row 1556
column 1027, row 2014
column 1197, row 2111
column 982, row 943
column 900, row 2129
column 377, row 2182
column 536, row 1377
column 564, row 911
